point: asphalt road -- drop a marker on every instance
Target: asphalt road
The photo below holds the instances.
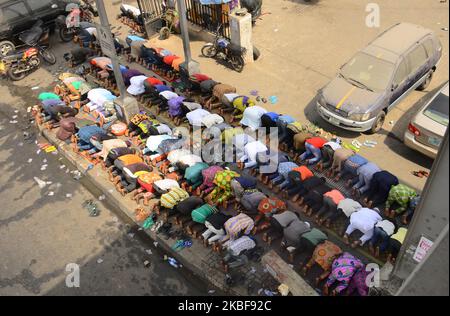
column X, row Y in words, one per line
column 44, row 230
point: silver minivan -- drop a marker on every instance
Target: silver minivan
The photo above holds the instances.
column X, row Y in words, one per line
column 401, row 59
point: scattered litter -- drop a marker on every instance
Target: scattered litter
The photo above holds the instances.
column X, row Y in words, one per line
column 174, row 263
column 269, row 293
column 20, row 144
column 77, row 175
column 156, row 244
column 67, row 170
column 35, row 88
column 391, row 123
column 102, row 197
column 275, row 30
column 69, row 195
column 210, row 292
column 111, row 190
column 44, row 161
column 92, row 208
column 13, row 122
column 100, row 261
column 291, row 266
column 131, row 235
column 38, row 151
column 58, row 185
column 49, row 182
column 445, row 29
column 253, row 270
column 30, row 160
column 16, row 111
column 283, row 289
column 140, row 229
column 273, row 99
column 14, row 117
column 44, row 167
column 51, row 193
column 149, row 251
column 115, row 219
column 50, row 149
column 147, row 264
column 40, row 182
column 89, row 167
column 62, row 167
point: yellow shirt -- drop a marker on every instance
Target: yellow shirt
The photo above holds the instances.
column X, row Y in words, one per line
column 400, row 235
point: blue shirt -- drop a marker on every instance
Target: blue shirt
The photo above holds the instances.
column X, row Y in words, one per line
column 161, row 88
column 286, row 118
column 358, row 160
column 47, row 104
column 85, row 133
column 368, row 170
column 273, row 116
column 285, row 167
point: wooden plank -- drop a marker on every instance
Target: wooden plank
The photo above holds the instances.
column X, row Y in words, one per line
column 283, row 273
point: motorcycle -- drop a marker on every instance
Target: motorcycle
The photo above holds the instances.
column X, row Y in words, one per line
column 20, row 64
column 224, row 50
column 68, row 27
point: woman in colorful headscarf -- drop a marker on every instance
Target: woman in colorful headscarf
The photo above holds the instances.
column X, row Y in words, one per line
column 342, row 271
column 208, row 184
column 240, row 104
column 266, row 209
column 324, row 256
column 223, row 191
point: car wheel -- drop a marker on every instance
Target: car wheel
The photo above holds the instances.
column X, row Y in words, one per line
column 426, row 82
column 378, row 124
column 6, row 47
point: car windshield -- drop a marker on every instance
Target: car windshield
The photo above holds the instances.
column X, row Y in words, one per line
column 438, row 109
column 368, row 72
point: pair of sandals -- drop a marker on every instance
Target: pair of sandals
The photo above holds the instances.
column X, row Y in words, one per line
column 421, row 174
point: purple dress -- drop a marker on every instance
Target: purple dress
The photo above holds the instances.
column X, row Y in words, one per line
column 343, row 269
column 175, row 106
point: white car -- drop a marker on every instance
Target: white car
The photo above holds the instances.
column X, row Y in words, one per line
column 427, row 129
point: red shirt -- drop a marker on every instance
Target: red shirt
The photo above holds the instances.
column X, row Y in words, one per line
column 305, row 173
column 317, row 142
column 154, row 81
column 335, row 195
column 168, row 60
column 201, row 77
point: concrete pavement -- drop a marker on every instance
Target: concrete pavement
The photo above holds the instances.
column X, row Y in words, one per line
column 304, row 44
column 41, row 232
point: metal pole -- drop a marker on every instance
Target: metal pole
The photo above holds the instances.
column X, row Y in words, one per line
column 184, row 31
column 111, row 54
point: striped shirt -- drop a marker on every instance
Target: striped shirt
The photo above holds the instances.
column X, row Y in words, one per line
column 173, row 197
column 240, row 223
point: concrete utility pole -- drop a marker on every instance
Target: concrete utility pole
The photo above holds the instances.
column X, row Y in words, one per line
column 108, row 48
column 190, row 65
column 126, row 106
column 428, row 276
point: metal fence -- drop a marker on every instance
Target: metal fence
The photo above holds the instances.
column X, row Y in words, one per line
column 150, row 9
column 209, row 17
